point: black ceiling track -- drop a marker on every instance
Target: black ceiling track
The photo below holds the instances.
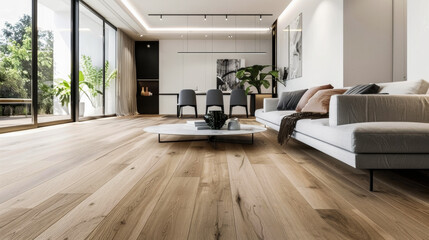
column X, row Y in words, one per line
column 208, row 14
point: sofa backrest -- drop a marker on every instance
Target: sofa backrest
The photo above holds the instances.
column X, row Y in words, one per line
column 405, row 87
column 346, row 109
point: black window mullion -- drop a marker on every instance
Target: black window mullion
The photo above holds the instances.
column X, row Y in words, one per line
column 74, row 101
column 34, row 63
column 104, row 67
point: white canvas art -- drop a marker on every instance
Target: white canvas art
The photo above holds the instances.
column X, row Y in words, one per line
column 295, row 48
column 225, row 74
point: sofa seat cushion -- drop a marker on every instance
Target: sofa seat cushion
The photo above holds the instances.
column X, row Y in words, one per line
column 370, row 137
column 274, row 117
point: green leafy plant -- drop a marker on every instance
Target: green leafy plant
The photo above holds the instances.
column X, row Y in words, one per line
column 63, row 89
column 90, row 81
column 254, row 76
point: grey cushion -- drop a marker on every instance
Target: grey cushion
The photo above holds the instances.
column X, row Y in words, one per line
column 289, row 100
column 363, row 89
column 370, row 137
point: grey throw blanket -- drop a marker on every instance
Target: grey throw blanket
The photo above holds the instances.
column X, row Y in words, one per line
column 288, row 124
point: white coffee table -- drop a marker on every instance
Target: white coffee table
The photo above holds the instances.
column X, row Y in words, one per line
column 186, row 130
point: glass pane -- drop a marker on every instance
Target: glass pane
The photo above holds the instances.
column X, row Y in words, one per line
column 15, row 63
column 54, row 56
column 91, row 63
column 111, row 70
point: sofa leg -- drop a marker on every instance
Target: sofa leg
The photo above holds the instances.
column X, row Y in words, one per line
column 371, row 180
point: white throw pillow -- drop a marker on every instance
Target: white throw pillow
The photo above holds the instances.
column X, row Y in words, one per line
column 405, row 87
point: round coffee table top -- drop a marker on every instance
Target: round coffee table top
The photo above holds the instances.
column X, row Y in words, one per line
column 186, row 130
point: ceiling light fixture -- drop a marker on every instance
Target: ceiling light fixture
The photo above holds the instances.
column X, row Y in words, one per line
column 205, row 17
column 141, row 35
column 137, row 16
column 208, row 29
column 226, row 17
column 160, row 17
column 260, row 17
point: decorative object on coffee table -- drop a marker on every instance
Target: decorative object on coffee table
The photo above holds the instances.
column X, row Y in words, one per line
column 215, row 119
column 233, row 124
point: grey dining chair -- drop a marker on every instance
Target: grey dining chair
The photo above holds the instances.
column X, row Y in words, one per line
column 238, row 98
column 214, row 98
column 187, row 98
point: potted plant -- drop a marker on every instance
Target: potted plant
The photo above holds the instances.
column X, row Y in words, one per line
column 63, row 91
column 90, row 81
column 254, row 76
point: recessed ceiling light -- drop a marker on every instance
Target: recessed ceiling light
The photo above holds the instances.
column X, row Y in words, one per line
column 141, row 35
column 206, row 35
column 181, row 36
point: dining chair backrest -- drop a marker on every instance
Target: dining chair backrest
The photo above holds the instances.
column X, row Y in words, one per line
column 238, row 98
column 187, row 97
column 214, row 97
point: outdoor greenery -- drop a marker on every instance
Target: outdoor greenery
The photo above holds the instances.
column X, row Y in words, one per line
column 254, row 76
column 15, row 70
column 15, row 64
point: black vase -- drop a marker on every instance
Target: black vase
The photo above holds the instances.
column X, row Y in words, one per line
column 215, row 119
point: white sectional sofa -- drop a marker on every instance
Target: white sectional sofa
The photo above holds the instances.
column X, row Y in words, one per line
column 365, row 131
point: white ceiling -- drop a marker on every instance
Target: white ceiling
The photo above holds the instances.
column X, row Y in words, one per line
column 118, row 14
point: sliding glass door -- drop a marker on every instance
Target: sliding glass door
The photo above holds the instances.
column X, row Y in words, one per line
column 97, row 51
column 111, row 69
column 91, row 63
column 54, row 60
column 26, row 102
column 15, row 63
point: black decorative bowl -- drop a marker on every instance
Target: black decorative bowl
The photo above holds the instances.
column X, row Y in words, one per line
column 215, row 119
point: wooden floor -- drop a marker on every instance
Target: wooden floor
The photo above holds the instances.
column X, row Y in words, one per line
column 107, row 179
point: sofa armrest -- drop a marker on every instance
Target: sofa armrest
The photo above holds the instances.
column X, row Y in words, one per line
column 270, row 104
column 346, row 109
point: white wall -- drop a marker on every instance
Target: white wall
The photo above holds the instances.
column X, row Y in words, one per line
column 347, row 42
column 322, row 42
column 368, row 41
column 179, row 71
column 418, row 39
column 399, row 40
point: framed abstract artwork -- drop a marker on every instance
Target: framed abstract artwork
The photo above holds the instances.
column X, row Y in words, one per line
column 294, row 31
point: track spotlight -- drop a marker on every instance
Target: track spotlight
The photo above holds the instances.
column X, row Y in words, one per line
column 160, row 18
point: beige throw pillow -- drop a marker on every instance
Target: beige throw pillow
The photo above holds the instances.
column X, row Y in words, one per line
column 308, row 94
column 319, row 103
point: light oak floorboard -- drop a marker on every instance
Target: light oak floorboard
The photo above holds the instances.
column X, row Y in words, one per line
column 108, row 179
column 213, row 216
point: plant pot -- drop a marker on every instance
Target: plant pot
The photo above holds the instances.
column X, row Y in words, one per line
column 215, row 119
column 81, row 109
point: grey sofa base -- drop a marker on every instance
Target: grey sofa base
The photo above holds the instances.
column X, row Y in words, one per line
column 369, row 162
